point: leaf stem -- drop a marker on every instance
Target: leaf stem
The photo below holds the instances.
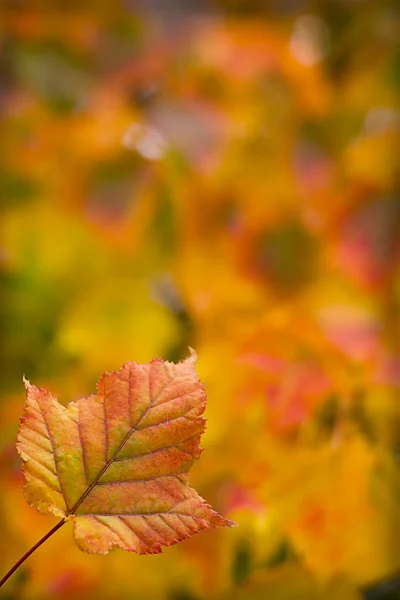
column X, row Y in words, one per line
column 32, row 550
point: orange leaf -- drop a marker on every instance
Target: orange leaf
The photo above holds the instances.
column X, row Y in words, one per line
column 116, row 463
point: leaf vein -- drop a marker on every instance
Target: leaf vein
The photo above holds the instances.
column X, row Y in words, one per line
column 83, row 450
column 152, row 528
column 172, row 399
column 120, row 481
column 105, row 423
column 42, row 464
column 159, row 450
column 54, row 455
column 114, row 531
column 129, row 526
column 164, row 520
column 159, row 513
column 35, row 443
column 129, row 398
column 165, row 421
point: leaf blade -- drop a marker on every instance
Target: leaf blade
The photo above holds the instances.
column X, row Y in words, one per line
column 117, row 462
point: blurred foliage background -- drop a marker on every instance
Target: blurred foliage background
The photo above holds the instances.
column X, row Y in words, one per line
column 224, row 175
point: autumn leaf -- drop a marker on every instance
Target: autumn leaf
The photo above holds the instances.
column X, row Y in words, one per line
column 116, row 463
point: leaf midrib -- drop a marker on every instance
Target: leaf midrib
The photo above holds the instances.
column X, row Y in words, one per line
column 118, row 450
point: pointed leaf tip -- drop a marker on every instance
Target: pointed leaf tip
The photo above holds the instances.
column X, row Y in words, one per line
column 193, row 356
column 116, row 463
